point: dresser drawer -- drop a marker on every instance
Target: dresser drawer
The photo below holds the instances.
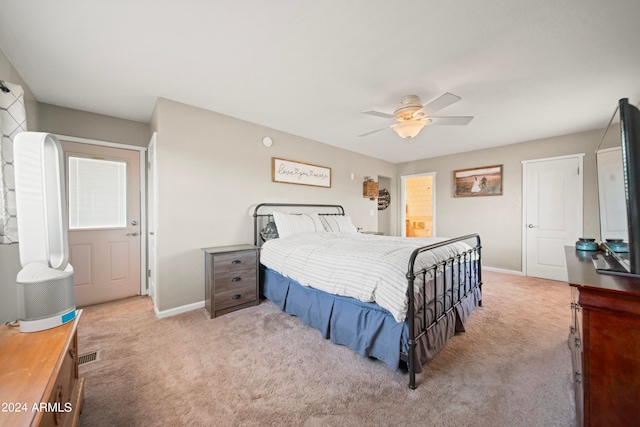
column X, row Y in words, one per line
column 234, row 261
column 235, row 279
column 60, row 406
column 235, row 297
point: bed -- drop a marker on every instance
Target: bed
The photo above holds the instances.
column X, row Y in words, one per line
column 395, row 299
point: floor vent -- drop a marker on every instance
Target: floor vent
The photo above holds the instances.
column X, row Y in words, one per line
column 83, row 359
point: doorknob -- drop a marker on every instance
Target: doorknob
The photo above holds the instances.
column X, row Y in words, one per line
column 532, row 226
column 132, row 234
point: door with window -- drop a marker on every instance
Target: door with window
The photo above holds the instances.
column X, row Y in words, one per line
column 103, row 192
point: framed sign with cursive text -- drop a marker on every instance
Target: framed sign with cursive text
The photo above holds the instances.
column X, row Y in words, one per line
column 290, row 172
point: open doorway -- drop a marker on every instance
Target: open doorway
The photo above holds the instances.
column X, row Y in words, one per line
column 384, row 210
column 419, row 201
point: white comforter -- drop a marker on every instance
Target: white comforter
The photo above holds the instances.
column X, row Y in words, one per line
column 369, row 268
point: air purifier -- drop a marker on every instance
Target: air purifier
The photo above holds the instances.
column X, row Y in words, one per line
column 46, row 296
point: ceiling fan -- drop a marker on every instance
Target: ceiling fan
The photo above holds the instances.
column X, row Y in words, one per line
column 412, row 116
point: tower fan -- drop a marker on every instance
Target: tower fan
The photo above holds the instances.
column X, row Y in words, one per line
column 46, row 296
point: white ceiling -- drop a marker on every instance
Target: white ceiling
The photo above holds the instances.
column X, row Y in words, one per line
column 524, row 69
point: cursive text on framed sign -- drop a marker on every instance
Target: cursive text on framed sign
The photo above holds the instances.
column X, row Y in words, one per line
column 291, row 172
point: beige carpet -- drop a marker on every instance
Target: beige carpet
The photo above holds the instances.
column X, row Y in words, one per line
column 259, row 367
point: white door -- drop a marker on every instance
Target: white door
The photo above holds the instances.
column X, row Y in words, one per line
column 153, row 217
column 552, row 217
column 103, row 192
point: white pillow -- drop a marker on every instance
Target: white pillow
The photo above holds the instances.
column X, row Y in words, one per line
column 338, row 223
column 289, row 224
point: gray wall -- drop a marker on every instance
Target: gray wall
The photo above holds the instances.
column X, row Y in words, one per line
column 498, row 219
column 214, row 170
column 81, row 124
column 9, row 257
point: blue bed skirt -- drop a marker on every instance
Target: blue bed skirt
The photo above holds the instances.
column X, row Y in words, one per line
column 366, row 328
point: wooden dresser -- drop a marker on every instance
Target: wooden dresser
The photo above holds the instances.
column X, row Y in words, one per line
column 605, row 343
column 39, row 382
column 231, row 278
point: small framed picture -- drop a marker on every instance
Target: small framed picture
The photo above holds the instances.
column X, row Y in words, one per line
column 477, row 182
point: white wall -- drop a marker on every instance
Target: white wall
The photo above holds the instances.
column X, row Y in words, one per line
column 214, row 170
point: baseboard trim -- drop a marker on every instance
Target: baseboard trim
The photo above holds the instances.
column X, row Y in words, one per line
column 502, row 270
column 178, row 310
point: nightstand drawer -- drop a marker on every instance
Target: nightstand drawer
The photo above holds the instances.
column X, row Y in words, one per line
column 234, row 297
column 234, row 261
column 235, row 279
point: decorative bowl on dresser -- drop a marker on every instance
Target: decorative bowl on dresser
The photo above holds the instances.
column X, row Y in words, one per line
column 231, row 278
column 39, row 382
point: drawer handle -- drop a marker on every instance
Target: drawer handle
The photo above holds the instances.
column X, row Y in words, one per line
column 236, row 296
column 57, row 415
column 236, row 261
column 236, row 279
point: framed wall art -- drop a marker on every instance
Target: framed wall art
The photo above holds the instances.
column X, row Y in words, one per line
column 292, row 172
column 477, row 182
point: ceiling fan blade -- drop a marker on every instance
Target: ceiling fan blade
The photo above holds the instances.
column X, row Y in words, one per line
column 453, row 120
column 440, row 103
column 374, row 131
column 379, row 114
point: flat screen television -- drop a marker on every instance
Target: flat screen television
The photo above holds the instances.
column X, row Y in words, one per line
column 622, row 256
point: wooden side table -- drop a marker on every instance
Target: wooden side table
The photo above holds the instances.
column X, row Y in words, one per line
column 231, row 278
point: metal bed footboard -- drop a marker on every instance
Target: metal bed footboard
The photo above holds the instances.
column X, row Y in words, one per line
column 469, row 277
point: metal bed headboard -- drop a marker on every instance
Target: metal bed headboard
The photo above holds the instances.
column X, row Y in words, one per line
column 337, row 210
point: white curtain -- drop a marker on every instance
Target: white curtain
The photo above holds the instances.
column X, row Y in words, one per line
column 13, row 120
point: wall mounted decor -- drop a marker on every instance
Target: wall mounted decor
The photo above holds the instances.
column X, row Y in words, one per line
column 13, row 120
column 369, row 188
column 292, row 172
column 483, row 181
column 384, row 198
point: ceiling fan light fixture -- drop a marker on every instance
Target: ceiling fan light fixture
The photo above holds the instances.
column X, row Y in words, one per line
column 408, row 128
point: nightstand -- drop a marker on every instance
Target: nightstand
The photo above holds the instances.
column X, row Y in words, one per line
column 231, row 278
